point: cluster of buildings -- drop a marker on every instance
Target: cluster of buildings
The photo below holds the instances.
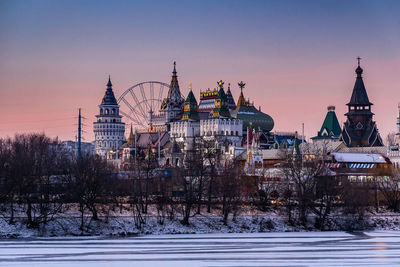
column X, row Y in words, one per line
column 243, row 132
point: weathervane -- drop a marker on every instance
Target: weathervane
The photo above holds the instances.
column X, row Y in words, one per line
column 358, row 59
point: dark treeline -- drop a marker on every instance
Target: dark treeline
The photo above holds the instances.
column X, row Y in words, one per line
column 40, row 181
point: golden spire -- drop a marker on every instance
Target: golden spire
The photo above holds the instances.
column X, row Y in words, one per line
column 241, row 100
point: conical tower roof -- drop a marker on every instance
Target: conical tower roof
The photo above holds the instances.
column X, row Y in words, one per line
column 174, row 98
column 190, row 107
column 231, row 101
column 131, row 138
column 109, row 98
column 331, row 127
column 359, row 96
column 174, row 93
column 241, row 100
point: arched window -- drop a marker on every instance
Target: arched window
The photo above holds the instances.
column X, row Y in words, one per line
column 113, row 120
column 113, row 111
column 101, row 111
column 107, row 111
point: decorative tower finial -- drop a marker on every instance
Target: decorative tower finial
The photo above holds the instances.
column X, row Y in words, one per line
column 221, row 84
column 109, row 84
column 241, row 85
column 359, row 70
column 174, row 71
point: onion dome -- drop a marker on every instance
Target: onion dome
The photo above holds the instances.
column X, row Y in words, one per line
column 109, row 98
column 250, row 115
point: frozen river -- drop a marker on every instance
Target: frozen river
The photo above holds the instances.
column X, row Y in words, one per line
column 262, row 249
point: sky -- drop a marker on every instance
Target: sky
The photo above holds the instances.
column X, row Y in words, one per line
column 296, row 57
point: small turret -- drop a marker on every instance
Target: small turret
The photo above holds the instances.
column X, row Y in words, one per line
column 221, row 103
column 190, row 107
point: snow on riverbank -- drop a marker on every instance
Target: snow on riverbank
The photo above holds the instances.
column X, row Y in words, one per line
column 124, row 225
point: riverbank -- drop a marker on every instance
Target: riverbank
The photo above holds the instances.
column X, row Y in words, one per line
column 124, row 225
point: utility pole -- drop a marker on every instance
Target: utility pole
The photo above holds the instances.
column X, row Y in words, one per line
column 302, row 141
column 79, row 134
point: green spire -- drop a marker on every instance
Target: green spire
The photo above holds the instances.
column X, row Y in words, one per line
column 190, row 107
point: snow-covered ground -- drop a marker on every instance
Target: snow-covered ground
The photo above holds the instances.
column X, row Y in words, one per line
column 378, row 248
column 249, row 221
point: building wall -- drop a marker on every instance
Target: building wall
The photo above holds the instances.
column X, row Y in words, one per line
column 108, row 130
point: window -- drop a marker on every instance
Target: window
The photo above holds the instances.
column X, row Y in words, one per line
column 113, row 111
column 101, row 111
column 107, row 111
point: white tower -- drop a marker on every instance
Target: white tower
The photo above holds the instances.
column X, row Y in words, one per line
column 108, row 128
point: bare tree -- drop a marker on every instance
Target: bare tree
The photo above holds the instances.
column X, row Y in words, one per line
column 230, row 188
column 88, row 180
column 389, row 187
column 211, row 157
column 301, row 174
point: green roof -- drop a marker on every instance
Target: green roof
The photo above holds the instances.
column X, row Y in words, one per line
column 190, row 98
column 190, row 108
column 249, row 114
column 330, row 127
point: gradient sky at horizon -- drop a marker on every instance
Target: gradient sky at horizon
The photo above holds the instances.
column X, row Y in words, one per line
column 296, row 57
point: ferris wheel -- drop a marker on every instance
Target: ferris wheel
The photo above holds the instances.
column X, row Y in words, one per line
column 141, row 100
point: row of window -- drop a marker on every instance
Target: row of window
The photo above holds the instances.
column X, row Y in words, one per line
column 210, row 133
column 108, row 111
column 113, row 120
column 111, row 126
column 359, row 108
column 101, row 136
column 223, row 121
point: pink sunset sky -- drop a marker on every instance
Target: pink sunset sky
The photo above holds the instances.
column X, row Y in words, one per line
column 296, row 57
